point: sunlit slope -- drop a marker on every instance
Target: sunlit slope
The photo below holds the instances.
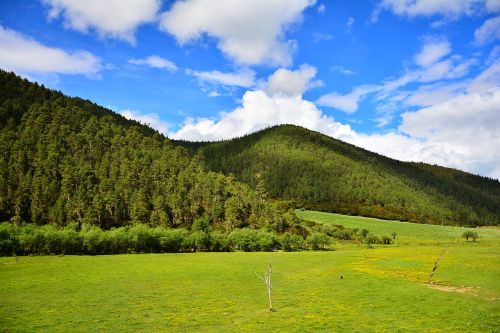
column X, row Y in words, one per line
column 321, row 173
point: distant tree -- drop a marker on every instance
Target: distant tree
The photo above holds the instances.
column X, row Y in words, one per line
column 371, row 239
column 386, row 240
column 470, row 234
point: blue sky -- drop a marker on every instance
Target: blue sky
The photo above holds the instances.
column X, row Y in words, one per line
column 416, row 80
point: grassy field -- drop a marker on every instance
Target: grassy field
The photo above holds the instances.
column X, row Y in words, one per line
column 382, row 289
column 406, row 233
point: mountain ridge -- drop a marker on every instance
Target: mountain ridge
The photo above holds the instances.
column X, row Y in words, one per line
column 457, row 197
column 39, row 128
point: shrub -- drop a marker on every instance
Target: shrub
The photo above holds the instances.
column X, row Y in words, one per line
column 386, row 240
column 197, row 241
column 268, row 241
column 171, row 240
column 92, row 241
column 318, row 241
column 291, row 242
column 470, row 234
column 9, row 242
column 371, row 239
column 363, row 233
column 343, row 234
column 218, row 242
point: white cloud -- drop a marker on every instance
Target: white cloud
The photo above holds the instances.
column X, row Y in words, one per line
column 258, row 111
column 155, row 61
column 466, row 126
column 449, row 9
column 430, row 67
column 150, row 119
column 249, row 32
column 347, row 103
column 110, row 18
column 488, row 32
column 25, row 55
column 489, row 78
column 244, row 78
column 321, row 9
column 349, row 24
column 494, row 55
column 292, row 83
column 432, row 51
column 343, row 70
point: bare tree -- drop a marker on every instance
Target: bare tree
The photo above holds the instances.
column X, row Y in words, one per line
column 267, row 280
column 436, row 265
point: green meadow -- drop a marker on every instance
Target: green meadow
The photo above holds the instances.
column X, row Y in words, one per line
column 406, row 233
column 382, row 289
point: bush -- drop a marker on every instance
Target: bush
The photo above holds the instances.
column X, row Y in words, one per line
column 171, row 240
column 268, row 241
column 197, row 241
column 9, row 242
column 386, row 240
column 470, row 234
column 218, row 242
column 363, row 233
column 318, row 241
column 343, row 234
column 291, row 242
column 371, row 239
column 243, row 240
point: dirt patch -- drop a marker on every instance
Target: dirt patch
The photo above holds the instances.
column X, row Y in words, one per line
column 463, row 290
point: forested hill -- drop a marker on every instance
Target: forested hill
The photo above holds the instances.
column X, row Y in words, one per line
column 316, row 171
column 68, row 161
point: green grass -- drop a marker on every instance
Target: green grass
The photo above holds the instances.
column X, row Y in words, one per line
column 383, row 289
column 406, row 233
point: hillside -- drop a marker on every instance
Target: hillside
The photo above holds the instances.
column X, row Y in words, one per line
column 69, row 161
column 319, row 172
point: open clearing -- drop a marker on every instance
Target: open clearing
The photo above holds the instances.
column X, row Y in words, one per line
column 383, row 289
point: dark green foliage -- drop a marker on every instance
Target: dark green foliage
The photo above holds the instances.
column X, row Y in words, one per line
column 470, row 235
column 30, row 239
column 371, row 239
column 67, row 161
column 318, row 241
column 386, row 240
column 321, row 173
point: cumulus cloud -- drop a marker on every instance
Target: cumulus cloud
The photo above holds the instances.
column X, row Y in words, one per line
column 111, row 18
column 448, row 9
column 292, row 83
column 248, row 32
column 488, row 32
column 258, row 111
column 23, row 54
column 155, row 61
column 467, row 124
column 150, row 119
column 244, row 78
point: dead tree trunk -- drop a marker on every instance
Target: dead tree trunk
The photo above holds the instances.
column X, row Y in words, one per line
column 267, row 280
column 436, row 265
